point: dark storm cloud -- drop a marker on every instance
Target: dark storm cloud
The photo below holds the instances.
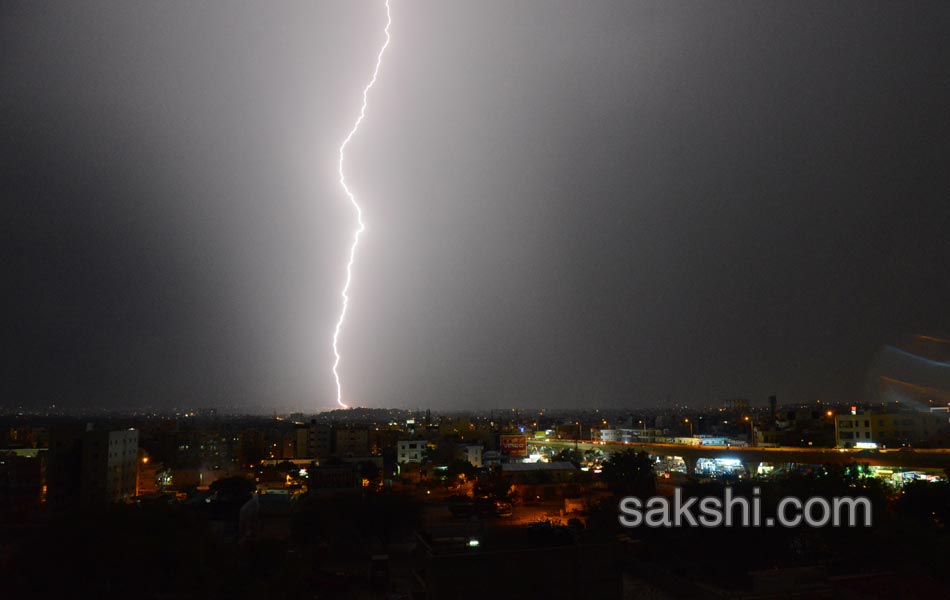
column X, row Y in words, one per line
column 595, row 203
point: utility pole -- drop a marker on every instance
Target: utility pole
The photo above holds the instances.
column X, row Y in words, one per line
column 751, row 430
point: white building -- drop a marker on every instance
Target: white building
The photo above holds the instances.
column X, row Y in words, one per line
column 619, row 435
column 114, row 464
column 627, row 436
column 473, row 454
column 410, row 451
column 869, row 429
column 92, row 467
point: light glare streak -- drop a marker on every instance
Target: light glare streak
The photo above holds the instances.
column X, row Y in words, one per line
column 359, row 214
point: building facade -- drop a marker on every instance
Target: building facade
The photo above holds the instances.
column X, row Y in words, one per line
column 352, row 441
column 410, row 451
column 92, row 468
column 873, row 429
column 319, row 440
column 473, row 454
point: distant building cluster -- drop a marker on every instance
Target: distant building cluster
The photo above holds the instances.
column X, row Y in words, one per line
column 500, row 491
column 64, row 467
column 885, row 428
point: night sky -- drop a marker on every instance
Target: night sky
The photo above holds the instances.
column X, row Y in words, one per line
column 567, row 203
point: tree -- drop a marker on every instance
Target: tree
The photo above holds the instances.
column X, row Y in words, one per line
column 570, row 455
column 926, row 502
column 347, row 524
column 443, row 452
column 392, row 516
column 369, row 470
column 494, row 488
column 629, row 473
column 461, row 467
column 336, row 520
column 538, row 477
column 233, row 490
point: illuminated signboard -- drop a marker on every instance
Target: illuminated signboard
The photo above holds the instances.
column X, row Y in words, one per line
column 513, row 445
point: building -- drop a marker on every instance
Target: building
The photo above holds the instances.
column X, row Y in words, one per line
column 21, row 480
column 352, row 441
column 334, row 480
column 736, row 404
column 569, row 431
column 556, row 471
column 288, row 446
column 873, row 429
column 383, row 440
column 151, row 478
column 319, row 440
column 302, row 441
column 624, row 436
column 109, row 466
column 473, row 454
column 629, row 435
column 91, row 468
column 411, row 451
column 252, row 449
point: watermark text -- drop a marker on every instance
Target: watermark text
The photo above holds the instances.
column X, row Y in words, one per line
column 741, row 511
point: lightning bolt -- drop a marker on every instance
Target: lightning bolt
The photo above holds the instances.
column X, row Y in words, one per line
column 359, row 213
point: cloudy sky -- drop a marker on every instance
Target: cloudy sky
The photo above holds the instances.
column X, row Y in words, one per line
column 567, row 203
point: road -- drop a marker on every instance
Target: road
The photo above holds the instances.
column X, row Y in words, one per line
column 932, row 459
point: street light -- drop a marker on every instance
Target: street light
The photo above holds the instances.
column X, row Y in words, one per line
column 687, row 421
column 751, row 430
column 832, row 416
